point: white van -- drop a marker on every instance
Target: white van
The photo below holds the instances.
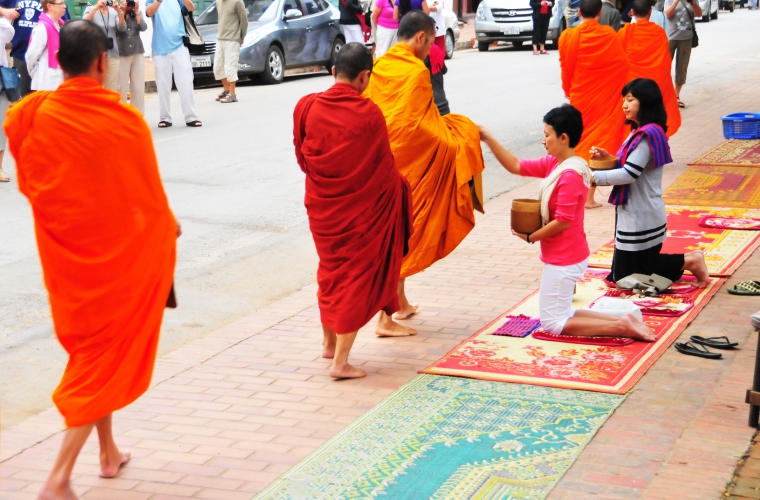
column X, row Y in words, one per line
column 512, row 21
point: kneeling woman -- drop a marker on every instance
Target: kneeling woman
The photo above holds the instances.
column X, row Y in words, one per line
column 640, row 215
column 564, row 249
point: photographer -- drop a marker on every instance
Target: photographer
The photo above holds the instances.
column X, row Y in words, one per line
column 109, row 17
column 679, row 26
column 132, row 55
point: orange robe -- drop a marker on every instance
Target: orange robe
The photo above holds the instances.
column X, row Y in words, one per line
column 647, row 47
column 439, row 156
column 594, row 72
column 106, row 238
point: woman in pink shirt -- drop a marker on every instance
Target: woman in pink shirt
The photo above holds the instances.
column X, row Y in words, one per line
column 385, row 25
column 564, row 250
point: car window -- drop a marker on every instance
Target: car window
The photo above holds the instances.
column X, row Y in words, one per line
column 291, row 4
column 257, row 10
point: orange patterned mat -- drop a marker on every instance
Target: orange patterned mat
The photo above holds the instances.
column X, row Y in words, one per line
column 558, row 364
column 725, row 250
column 733, row 152
column 716, row 186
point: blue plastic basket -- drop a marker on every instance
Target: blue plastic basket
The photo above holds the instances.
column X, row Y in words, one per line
column 741, row 126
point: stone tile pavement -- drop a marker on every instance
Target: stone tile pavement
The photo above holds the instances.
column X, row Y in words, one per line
column 228, row 413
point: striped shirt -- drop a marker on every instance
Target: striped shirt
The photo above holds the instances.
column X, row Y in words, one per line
column 642, row 222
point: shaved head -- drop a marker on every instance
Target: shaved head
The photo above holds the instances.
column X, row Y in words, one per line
column 352, row 59
column 641, row 8
column 82, row 43
column 414, row 22
column 590, row 8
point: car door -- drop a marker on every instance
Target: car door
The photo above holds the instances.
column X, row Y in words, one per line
column 318, row 43
column 294, row 33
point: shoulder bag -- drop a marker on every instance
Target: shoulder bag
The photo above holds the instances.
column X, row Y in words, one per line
column 694, row 36
column 11, row 83
column 192, row 39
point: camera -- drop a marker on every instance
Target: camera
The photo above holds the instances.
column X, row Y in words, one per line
column 131, row 3
column 109, row 3
column 110, row 43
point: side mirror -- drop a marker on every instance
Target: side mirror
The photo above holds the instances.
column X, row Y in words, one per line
column 293, row 14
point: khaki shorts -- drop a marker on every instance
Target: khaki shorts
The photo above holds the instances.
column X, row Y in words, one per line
column 680, row 51
column 226, row 60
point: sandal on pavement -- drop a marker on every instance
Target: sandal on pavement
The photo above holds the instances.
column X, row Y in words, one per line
column 693, row 349
column 3, row 176
column 164, row 124
column 222, row 95
column 714, row 342
column 681, row 104
column 544, row 51
column 535, row 52
column 194, row 123
column 229, row 98
column 745, row 288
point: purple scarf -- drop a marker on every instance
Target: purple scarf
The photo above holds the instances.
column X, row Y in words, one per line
column 658, row 143
column 53, row 39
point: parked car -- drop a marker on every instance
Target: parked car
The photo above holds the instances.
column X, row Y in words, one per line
column 282, row 34
column 727, row 5
column 710, row 9
column 512, row 21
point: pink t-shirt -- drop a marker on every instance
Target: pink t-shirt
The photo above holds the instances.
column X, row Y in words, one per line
column 567, row 204
column 386, row 15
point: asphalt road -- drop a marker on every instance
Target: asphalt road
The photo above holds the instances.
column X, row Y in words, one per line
column 236, row 188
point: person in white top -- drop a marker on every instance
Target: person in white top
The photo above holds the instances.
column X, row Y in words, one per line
column 436, row 12
column 41, row 54
column 6, row 35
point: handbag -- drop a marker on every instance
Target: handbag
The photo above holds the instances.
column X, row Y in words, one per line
column 192, row 39
column 11, row 83
column 694, row 36
column 643, row 284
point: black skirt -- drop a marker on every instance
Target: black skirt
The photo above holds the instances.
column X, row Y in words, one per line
column 649, row 261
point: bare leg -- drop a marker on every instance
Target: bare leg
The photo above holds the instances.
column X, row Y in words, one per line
column 678, row 90
column 593, row 324
column 543, row 47
column 694, row 262
column 386, row 327
column 407, row 309
column 111, row 459
column 232, row 87
column 3, row 176
column 329, row 342
column 58, row 485
column 535, row 48
column 590, row 201
column 226, row 84
column 340, row 367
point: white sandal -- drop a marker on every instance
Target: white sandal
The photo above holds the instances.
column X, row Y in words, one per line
column 4, row 177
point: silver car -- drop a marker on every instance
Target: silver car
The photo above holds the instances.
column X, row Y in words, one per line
column 512, row 21
column 282, row 34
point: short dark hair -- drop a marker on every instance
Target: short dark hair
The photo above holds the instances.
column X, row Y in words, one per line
column 82, row 42
column 590, row 8
column 414, row 22
column 651, row 105
column 642, row 7
column 352, row 59
column 566, row 119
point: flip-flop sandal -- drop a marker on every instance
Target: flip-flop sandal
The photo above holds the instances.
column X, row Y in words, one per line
column 715, row 342
column 194, row 123
column 164, row 124
column 222, row 95
column 745, row 288
column 693, row 349
column 681, row 104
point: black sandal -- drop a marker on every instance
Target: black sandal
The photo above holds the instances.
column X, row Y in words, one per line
column 194, row 123
column 164, row 124
column 714, row 342
column 697, row 350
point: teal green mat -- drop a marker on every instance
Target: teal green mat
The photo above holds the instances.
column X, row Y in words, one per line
column 454, row 439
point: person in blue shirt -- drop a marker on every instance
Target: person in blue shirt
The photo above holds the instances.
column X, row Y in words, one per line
column 171, row 57
column 24, row 14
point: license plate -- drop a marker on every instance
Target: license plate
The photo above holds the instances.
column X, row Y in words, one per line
column 201, row 62
column 512, row 30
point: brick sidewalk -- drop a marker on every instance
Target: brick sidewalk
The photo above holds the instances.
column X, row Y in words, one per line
column 230, row 412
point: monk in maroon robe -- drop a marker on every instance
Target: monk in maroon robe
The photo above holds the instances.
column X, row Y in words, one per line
column 359, row 207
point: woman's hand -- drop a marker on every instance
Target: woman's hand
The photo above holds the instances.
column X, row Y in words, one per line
column 599, row 152
column 485, row 135
column 522, row 236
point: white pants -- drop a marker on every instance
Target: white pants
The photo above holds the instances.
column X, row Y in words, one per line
column 178, row 64
column 384, row 40
column 132, row 79
column 112, row 75
column 226, row 60
column 555, row 297
column 353, row 33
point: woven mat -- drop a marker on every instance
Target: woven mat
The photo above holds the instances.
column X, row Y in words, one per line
column 454, row 439
column 733, row 152
column 716, row 186
column 558, row 364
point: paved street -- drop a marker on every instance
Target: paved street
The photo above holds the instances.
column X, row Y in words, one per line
column 237, row 190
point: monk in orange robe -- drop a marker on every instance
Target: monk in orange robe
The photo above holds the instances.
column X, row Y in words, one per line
column 646, row 45
column 439, row 156
column 359, row 207
column 594, row 71
column 106, row 239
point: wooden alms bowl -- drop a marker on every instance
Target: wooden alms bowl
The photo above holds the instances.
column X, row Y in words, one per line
column 526, row 216
column 606, row 163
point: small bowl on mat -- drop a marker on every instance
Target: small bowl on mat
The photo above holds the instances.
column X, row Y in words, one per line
column 604, row 163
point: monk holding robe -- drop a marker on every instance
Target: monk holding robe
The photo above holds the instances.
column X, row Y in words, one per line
column 439, row 156
column 594, row 72
column 358, row 204
column 646, row 45
column 106, row 238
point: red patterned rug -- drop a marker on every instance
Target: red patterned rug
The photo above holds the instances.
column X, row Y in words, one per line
column 716, row 186
column 733, row 152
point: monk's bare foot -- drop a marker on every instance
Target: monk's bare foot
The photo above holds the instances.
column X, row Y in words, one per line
column 393, row 329
column 109, row 466
column 406, row 312
column 638, row 330
column 593, row 204
column 698, row 268
column 49, row 494
column 328, row 352
column 346, row 371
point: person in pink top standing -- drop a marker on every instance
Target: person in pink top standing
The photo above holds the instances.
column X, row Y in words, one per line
column 385, row 25
column 564, row 249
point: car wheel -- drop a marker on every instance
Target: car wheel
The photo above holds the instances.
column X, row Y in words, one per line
column 483, row 46
column 715, row 15
column 706, row 18
column 517, row 44
column 450, row 44
column 337, row 45
column 274, row 66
